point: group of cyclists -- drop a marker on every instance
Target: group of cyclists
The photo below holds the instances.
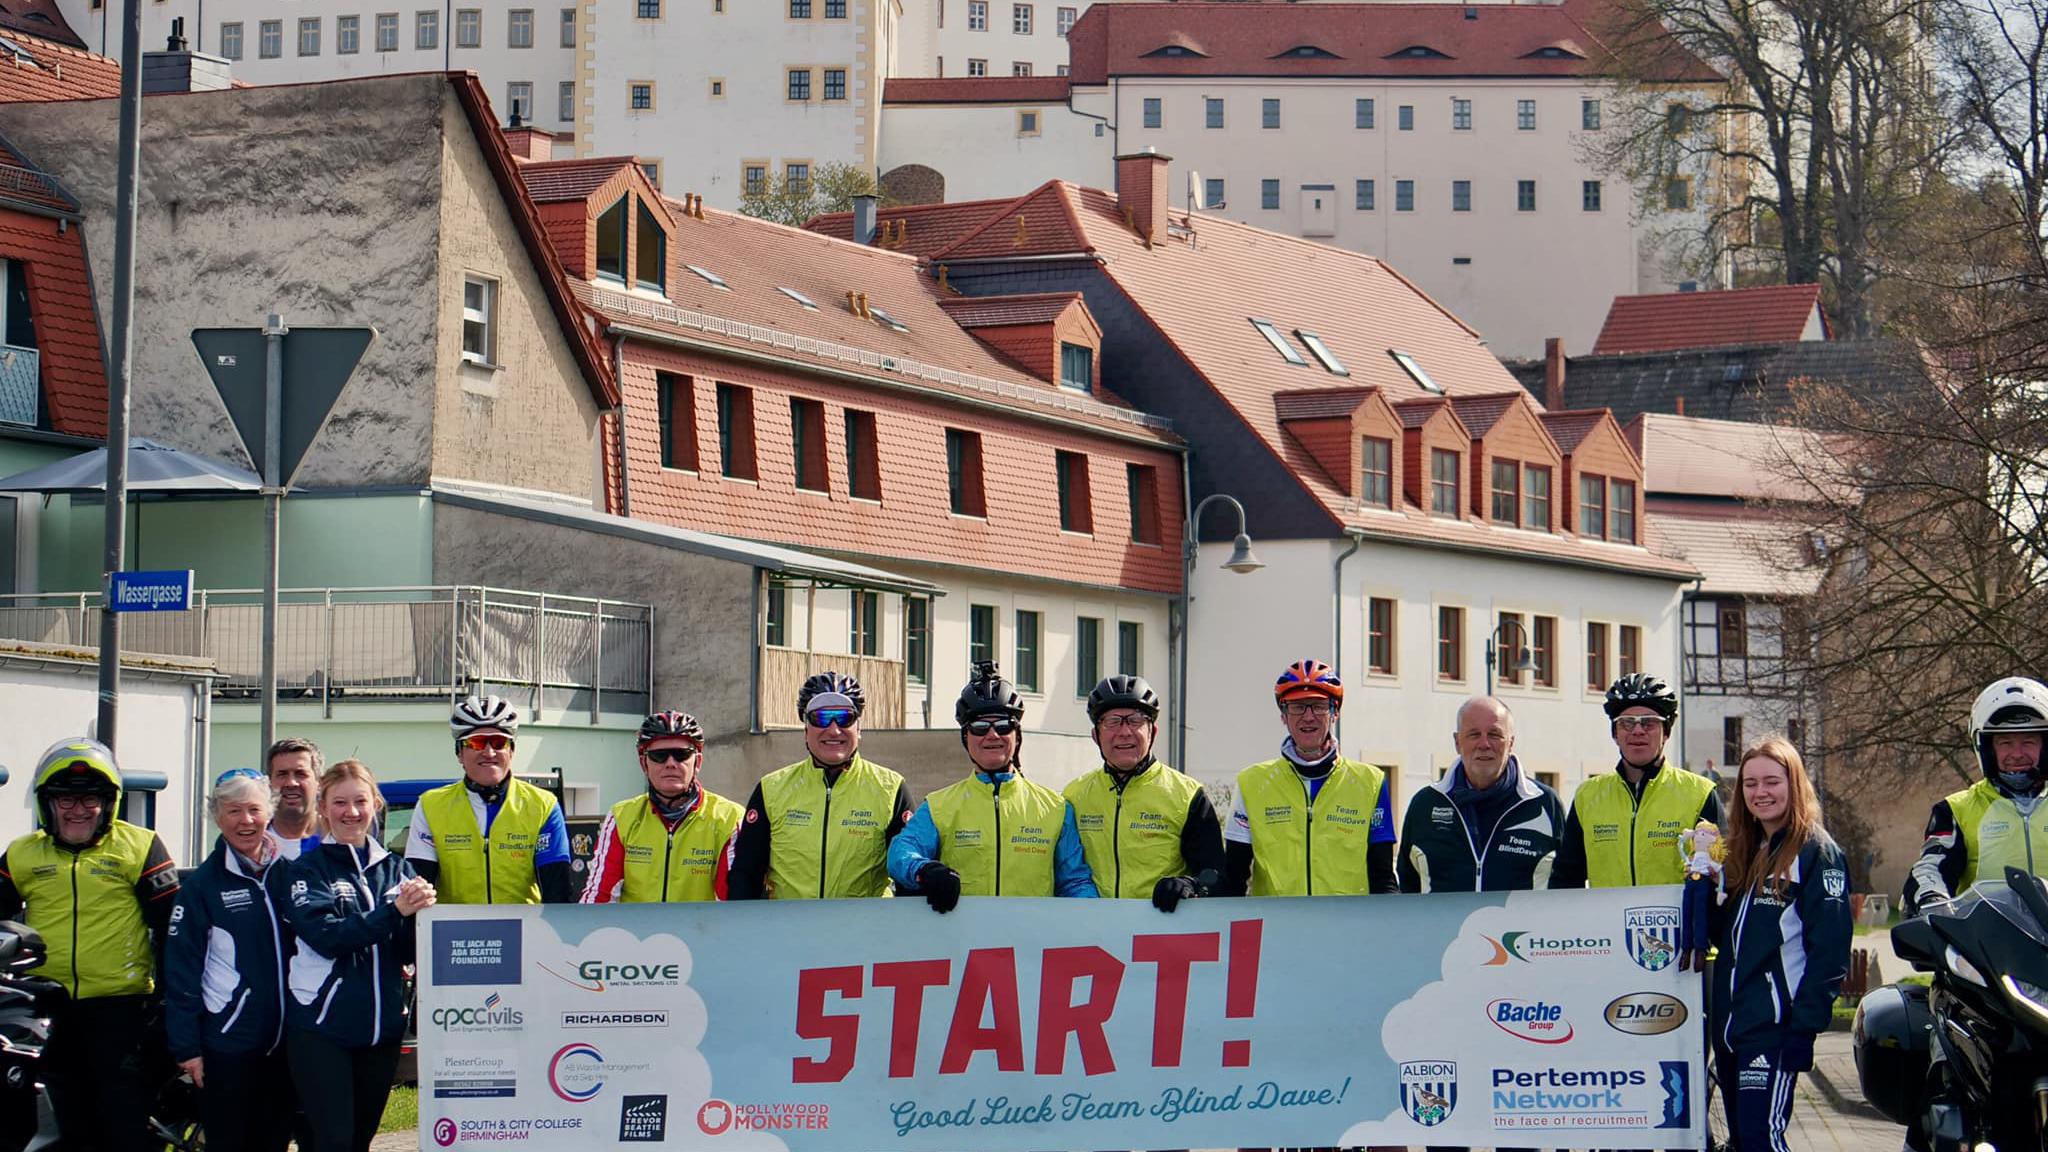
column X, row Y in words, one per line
column 281, row 958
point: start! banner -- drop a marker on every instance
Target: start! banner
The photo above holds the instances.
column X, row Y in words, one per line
column 1532, row 1019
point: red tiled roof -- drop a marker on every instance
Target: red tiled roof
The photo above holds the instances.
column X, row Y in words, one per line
column 55, row 71
column 22, row 182
column 552, row 181
column 1417, row 411
column 1044, row 220
column 1355, row 40
column 67, row 328
column 1319, row 403
column 1481, row 412
column 1570, row 429
column 1672, row 321
column 973, row 89
column 926, row 228
column 1005, row 311
column 38, row 18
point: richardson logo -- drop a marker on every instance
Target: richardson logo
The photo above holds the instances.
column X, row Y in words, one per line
column 1429, row 1090
column 491, row 1015
column 1528, row 946
column 1650, row 934
column 716, row 1116
column 643, row 1119
column 1537, row 1021
column 1645, row 1013
column 601, row 975
column 444, row 1132
column 615, row 1019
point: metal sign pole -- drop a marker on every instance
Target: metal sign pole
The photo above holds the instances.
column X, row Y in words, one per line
column 274, row 332
column 123, row 356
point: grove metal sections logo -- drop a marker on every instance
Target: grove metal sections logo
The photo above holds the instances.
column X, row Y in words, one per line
column 577, row 1072
column 1537, row 1021
column 1645, row 1013
column 1650, row 934
column 1429, row 1090
column 599, row 975
column 1531, row 946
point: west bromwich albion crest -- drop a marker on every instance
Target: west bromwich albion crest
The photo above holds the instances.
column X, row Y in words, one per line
column 1429, row 1090
column 1650, row 934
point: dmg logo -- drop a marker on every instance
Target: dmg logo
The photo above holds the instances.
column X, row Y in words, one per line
column 1645, row 1013
column 1536, row 1021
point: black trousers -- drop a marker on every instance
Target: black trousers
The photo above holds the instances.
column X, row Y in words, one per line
column 94, row 1072
column 247, row 1102
column 342, row 1090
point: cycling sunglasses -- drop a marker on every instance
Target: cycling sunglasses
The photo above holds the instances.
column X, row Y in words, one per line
column 825, row 718
column 1001, row 727
column 671, row 755
column 493, row 741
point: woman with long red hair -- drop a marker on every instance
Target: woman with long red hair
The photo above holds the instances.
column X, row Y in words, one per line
column 1783, row 929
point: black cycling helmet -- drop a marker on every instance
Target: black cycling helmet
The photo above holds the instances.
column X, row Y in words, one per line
column 987, row 694
column 1641, row 690
column 831, row 684
column 1122, row 692
column 663, row 725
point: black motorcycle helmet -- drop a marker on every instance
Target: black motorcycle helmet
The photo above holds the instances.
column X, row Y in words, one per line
column 1641, row 690
column 1891, row 1043
column 1122, row 692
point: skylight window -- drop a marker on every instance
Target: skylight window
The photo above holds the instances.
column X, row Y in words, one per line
column 886, row 320
column 1419, row 52
column 1278, row 341
column 19, row 54
column 793, row 294
column 1321, row 352
column 1415, row 371
column 710, row 277
column 1309, row 51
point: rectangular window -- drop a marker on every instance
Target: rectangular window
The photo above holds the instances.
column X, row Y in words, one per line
column 387, row 31
column 1678, row 193
column 647, row 9
column 568, row 27
column 348, row 35
column 565, row 101
column 1404, row 117
column 799, row 84
column 963, row 473
column 1273, row 337
column 1525, row 195
column 519, row 100
column 917, row 640
column 1543, row 650
column 1212, row 192
column 1269, row 112
column 1629, row 650
column 1376, row 474
column 981, row 633
column 426, row 31
column 1450, row 643
column 1130, row 648
column 807, row 433
column 1066, row 19
column 1596, row 657
column 866, row 637
column 977, row 67
column 1077, row 367
column 653, row 170
column 1461, row 115
column 754, row 179
column 469, row 28
column 1153, row 113
column 799, row 9
column 1321, row 352
column 479, row 301
column 270, row 39
column 1028, row 647
column 1362, row 112
column 1443, row 482
column 1141, row 486
column 1731, row 741
column 231, row 40
column 835, row 83
column 1212, row 111
column 1525, row 115
column 640, row 96
column 1020, row 19
column 1027, row 122
column 1363, row 195
column 1589, row 115
column 678, row 408
column 796, row 178
column 1020, row 68
column 519, row 28
column 1379, row 635
column 1621, row 511
column 1509, row 638
column 1731, row 623
column 1269, row 195
column 1536, row 497
column 1507, row 496
column 736, row 432
column 835, row 9
column 1593, row 507
column 309, row 35
column 977, row 15
column 1087, row 654
column 1461, row 195
column 1589, row 195
column 1077, row 509
column 1404, row 195
column 776, row 630
column 863, row 456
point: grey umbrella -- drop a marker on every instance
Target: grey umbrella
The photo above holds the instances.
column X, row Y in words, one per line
column 152, row 467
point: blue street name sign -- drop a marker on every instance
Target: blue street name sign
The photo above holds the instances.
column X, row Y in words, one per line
column 169, row 591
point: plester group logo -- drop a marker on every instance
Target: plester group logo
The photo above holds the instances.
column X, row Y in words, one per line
column 1531, row 946
column 1429, row 1090
column 1645, row 1013
column 444, row 1132
column 1537, row 1021
column 1650, row 934
column 577, row 1072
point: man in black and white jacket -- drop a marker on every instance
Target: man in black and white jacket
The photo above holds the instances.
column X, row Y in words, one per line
column 1487, row 825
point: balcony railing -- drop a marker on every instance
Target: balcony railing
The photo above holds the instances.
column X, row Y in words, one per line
column 384, row 643
column 21, row 385
column 783, row 671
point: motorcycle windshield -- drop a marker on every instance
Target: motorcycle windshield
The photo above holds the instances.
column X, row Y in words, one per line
column 2010, row 905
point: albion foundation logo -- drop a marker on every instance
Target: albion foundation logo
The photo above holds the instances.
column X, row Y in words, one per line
column 1531, row 946
column 1429, row 1090
column 1537, row 1021
column 1650, row 934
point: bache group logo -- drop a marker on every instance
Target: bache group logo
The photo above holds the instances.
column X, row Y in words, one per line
column 1650, row 935
column 1429, row 1090
column 1533, row 1099
column 602, row 975
column 1528, row 947
column 1537, row 1021
column 578, row 1072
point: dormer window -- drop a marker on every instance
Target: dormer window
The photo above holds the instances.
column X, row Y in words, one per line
column 1419, row 52
column 611, row 241
column 1077, row 367
column 1308, row 52
column 1176, row 50
column 1553, row 52
column 650, row 259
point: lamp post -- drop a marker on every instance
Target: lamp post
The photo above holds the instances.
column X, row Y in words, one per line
column 1241, row 561
column 1523, row 662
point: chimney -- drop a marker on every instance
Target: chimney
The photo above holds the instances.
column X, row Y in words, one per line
column 527, row 142
column 1141, row 188
column 863, row 219
column 1553, row 374
column 1681, row 405
column 178, row 69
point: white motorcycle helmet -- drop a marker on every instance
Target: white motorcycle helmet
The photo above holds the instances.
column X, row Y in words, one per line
column 2014, row 704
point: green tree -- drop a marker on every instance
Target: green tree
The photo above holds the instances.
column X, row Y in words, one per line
column 830, row 188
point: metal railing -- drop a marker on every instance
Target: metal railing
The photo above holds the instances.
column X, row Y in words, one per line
column 21, row 385
column 383, row 643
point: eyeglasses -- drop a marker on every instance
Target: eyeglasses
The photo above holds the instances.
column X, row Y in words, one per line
column 1638, row 723
column 1116, row 720
column 490, row 742
column 236, row 774
column 671, row 755
column 1001, row 727
column 1308, row 707
column 825, row 718
column 73, row 803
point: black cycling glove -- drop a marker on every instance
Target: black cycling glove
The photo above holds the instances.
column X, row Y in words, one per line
column 1171, row 890
column 940, row 885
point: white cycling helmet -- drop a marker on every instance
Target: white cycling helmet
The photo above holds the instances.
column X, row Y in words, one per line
column 478, row 713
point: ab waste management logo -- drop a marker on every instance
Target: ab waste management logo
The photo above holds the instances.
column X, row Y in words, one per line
column 1429, row 1090
column 578, row 1072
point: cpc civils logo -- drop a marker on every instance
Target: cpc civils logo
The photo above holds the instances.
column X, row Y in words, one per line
column 714, row 1117
column 577, row 1072
column 1537, row 1021
column 444, row 1132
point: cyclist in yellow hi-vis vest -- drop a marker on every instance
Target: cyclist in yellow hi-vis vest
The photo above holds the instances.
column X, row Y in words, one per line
column 1623, row 827
column 1149, row 830
column 490, row 837
column 666, row 845
column 1310, row 823
column 2000, row 821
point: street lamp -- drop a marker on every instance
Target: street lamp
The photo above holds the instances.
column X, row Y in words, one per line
column 1241, row 561
column 1524, row 660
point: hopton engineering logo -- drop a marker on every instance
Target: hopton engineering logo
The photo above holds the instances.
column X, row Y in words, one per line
column 1537, row 1021
column 1528, row 946
column 1650, row 934
column 1429, row 1090
column 1645, row 1013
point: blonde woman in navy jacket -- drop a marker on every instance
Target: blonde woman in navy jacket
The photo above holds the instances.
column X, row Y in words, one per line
column 351, row 905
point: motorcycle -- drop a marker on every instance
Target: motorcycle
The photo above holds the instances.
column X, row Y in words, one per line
column 27, row 1121
column 1963, row 1062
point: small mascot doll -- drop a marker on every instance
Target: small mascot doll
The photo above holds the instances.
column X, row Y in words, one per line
column 1703, row 850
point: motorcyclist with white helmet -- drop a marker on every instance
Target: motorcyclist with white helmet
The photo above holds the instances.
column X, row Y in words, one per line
column 2001, row 820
